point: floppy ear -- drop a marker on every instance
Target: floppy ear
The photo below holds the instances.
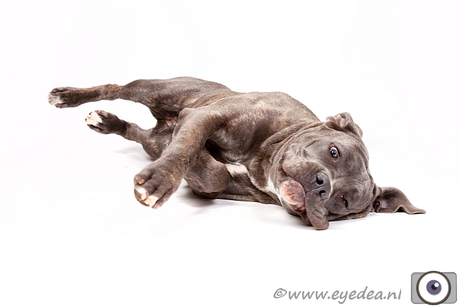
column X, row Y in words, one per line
column 391, row 200
column 343, row 122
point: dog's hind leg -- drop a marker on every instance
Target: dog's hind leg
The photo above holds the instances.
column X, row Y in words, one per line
column 154, row 140
column 69, row 97
column 164, row 98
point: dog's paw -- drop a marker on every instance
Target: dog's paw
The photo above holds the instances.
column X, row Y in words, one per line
column 60, row 97
column 104, row 122
column 63, row 97
column 93, row 119
column 155, row 185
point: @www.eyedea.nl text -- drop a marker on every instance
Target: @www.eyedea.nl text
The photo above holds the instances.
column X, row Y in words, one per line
column 339, row 296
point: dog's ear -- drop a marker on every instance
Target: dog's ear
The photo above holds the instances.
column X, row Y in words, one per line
column 391, row 200
column 343, row 122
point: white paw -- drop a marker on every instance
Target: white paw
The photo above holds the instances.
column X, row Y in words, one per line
column 149, row 201
column 54, row 100
column 93, row 119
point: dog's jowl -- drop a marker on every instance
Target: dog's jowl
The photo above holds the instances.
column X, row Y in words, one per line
column 264, row 147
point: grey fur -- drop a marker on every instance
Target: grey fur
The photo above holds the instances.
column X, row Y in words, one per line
column 264, row 147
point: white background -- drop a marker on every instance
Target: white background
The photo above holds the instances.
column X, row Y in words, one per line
column 71, row 232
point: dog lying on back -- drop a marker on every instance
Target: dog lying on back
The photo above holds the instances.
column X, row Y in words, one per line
column 264, row 147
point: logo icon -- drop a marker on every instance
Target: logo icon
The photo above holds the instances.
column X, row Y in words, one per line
column 434, row 288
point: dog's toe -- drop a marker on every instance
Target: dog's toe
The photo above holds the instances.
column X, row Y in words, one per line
column 141, row 193
column 105, row 122
column 60, row 97
column 143, row 197
column 55, row 100
column 93, row 119
column 60, row 90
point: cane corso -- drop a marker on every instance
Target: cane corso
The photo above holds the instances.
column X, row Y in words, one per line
column 263, row 147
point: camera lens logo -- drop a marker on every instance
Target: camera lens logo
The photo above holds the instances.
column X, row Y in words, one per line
column 434, row 288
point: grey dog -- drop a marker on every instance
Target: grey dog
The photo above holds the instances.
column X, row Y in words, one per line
column 263, row 147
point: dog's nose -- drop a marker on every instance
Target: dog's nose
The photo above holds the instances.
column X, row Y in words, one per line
column 322, row 186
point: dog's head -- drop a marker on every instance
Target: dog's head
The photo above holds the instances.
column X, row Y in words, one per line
column 321, row 173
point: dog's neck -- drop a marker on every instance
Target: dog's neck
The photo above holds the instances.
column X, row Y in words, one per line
column 268, row 155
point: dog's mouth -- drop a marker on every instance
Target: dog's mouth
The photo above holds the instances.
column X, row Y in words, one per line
column 303, row 190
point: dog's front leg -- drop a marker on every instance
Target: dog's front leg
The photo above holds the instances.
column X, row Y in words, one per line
column 157, row 182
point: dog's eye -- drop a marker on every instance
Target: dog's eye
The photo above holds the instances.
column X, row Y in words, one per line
column 345, row 202
column 334, row 152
